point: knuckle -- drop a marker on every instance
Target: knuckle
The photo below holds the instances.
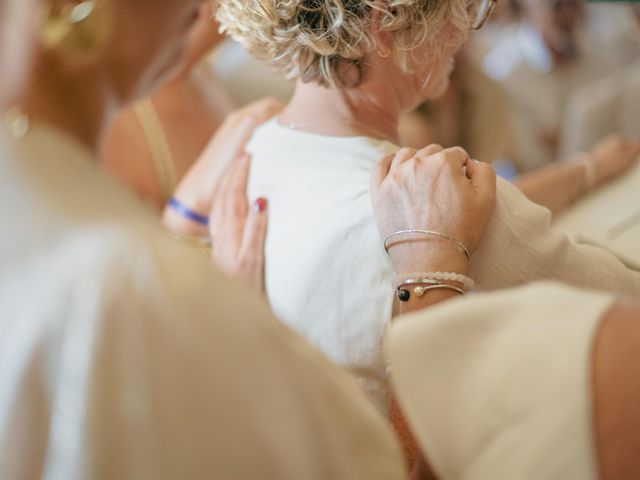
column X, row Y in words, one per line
column 458, row 152
column 405, row 152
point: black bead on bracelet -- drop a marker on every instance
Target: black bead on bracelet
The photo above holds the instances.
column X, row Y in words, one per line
column 404, row 295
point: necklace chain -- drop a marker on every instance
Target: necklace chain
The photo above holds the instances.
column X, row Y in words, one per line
column 357, row 126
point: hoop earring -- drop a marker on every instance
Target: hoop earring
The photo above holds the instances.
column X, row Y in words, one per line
column 76, row 31
column 383, row 52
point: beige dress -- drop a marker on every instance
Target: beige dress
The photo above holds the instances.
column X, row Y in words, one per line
column 497, row 386
column 123, row 355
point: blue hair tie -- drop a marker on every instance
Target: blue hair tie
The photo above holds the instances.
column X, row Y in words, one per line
column 186, row 212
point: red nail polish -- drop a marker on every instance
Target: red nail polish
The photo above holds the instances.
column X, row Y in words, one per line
column 260, row 205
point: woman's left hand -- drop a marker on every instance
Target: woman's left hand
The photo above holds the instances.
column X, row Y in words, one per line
column 200, row 185
column 431, row 189
column 238, row 230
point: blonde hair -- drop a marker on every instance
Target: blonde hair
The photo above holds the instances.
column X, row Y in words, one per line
column 326, row 41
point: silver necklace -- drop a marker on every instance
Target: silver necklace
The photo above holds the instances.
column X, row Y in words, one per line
column 366, row 130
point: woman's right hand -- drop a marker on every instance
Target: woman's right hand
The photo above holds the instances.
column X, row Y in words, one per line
column 430, row 189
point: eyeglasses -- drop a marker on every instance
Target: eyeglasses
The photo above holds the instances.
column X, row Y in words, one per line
column 483, row 12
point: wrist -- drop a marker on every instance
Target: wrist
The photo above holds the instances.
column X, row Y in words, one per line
column 422, row 256
column 177, row 223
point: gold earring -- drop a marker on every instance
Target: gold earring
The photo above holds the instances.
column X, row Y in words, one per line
column 384, row 52
column 78, row 30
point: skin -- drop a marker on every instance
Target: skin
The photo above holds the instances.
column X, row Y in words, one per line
column 17, row 27
column 81, row 96
column 374, row 107
column 616, row 392
column 190, row 107
column 558, row 185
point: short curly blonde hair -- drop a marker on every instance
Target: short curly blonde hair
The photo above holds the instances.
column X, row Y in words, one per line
column 326, row 40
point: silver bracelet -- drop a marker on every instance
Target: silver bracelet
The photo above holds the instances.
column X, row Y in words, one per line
column 438, row 277
column 404, row 295
column 429, row 233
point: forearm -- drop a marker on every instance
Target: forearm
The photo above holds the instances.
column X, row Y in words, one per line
column 451, row 261
column 555, row 186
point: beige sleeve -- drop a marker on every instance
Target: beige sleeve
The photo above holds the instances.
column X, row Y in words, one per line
column 498, row 385
column 519, row 247
column 188, row 376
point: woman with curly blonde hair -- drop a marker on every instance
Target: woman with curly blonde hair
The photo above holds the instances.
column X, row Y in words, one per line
column 358, row 65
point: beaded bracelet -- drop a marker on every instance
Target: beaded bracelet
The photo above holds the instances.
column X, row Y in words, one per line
column 431, row 233
column 438, row 277
column 187, row 213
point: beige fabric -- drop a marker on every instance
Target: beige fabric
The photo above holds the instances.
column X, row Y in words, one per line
column 608, row 217
column 497, row 386
column 124, row 355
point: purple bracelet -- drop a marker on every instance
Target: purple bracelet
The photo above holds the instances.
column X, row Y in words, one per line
column 186, row 212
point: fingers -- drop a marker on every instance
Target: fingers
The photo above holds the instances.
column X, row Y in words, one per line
column 431, row 150
column 456, row 157
column 483, row 180
column 252, row 250
column 230, row 204
column 403, row 155
column 231, row 138
column 381, row 170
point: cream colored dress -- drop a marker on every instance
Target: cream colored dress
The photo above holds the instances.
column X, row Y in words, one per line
column 327, row 274
column 498, row 386
column 123, row 355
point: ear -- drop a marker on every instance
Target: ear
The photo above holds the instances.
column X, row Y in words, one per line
column 383, row 38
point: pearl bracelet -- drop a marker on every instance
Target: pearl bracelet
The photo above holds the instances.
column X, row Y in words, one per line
column 404, row 295
column 433, row 278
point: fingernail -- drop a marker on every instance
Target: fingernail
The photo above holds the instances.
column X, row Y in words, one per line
column 260, row 205
column 475, row 161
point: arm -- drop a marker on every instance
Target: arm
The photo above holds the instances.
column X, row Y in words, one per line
column 558, row 185
column 616, row 392
column 520, row 246
column 429, row 190
column 200, row 185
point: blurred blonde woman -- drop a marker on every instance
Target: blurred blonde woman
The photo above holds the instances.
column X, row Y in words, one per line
column 122, row 353
column 358, row 65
